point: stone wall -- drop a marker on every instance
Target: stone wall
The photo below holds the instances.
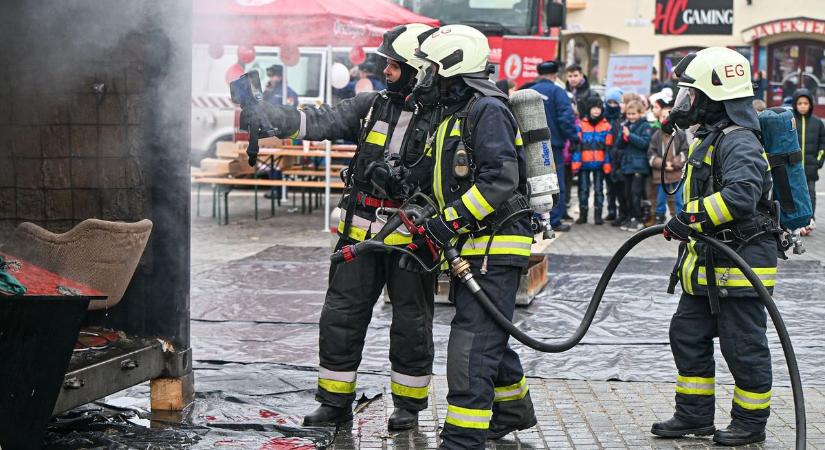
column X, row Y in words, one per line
column 69, row 152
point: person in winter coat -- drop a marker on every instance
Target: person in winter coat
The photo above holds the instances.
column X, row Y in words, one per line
column 591, row 161
column 634, row 141
column 811, row 133
column 613, row 181
column 673, row 164
column 578, row 85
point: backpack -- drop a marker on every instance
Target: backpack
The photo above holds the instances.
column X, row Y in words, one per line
column 787, row 167
column 790, row 187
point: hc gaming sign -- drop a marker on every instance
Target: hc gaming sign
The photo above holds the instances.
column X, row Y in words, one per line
column 694, row 17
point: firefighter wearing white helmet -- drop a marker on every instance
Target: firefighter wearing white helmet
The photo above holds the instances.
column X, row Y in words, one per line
column 479, row 179
column 727, row 195
column 387, row 168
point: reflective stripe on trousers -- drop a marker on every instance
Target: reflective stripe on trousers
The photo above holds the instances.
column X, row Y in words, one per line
column 410, row 386
column 751, row 400
column 512, row 392
column 695, row 385
column 337, row 382
column 468, row 417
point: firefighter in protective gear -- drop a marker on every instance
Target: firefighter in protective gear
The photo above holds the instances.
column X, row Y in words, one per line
column 389, row 164
column 727, row 196
column 479, row 177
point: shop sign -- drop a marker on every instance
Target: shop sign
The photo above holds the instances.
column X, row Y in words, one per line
column 693, row 17
column 795, row 25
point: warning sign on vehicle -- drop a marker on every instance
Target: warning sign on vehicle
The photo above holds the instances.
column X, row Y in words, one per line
column 522, row 54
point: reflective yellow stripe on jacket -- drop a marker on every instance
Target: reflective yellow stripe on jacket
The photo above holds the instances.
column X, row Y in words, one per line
column 439, row 147
column 717, row 209
column 359, row 234
column 734, row 277
column 478, row 206
column 502, row 245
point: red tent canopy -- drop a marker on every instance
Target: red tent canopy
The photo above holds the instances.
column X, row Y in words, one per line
column 298, row 22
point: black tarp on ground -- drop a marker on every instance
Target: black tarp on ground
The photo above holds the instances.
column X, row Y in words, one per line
column 255, row 334
column 265, row 309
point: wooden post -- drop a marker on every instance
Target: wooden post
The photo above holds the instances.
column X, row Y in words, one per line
column 173, row 394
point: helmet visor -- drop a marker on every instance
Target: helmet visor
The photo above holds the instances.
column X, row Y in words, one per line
column 425, row 78
column 684, row 100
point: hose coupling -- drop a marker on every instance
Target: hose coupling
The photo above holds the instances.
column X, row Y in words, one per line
column 461, row 269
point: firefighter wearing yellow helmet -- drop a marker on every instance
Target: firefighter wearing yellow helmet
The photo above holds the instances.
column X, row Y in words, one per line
column 727, row 189
column 479, row 179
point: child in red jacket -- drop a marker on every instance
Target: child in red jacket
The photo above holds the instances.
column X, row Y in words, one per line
column 592, row 161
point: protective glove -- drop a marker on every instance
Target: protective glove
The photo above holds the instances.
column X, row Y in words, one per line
column 285, row 119
column 677, row 229
column 441, row 231
column 685, row 224
column 422, row 251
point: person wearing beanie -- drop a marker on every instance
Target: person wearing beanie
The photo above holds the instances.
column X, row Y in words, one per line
column 592, row 161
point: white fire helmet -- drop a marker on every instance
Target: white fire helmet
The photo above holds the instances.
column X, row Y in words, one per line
column 401, row 42
column 719, row 72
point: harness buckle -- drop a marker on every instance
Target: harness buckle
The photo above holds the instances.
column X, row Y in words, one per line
column 726, row 236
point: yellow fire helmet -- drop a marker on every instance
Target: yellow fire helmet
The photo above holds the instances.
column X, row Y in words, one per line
column 719, row 72
column 401, row 42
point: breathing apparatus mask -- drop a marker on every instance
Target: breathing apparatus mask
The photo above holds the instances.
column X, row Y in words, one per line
column 684, row 112
column 426, row 89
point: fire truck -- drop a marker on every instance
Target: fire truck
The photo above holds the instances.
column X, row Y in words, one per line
column 521, row 33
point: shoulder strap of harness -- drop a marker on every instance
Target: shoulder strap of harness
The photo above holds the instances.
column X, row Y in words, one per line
column 352, row 200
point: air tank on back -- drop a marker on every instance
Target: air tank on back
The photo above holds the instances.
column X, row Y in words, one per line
column 528, row 108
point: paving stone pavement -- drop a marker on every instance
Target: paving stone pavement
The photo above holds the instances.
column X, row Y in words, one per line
column 572, row 414
column 585, row 415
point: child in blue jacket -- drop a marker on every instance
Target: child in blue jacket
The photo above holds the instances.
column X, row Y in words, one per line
column 634, row 142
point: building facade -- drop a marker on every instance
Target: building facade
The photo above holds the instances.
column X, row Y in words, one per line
column 783, row 40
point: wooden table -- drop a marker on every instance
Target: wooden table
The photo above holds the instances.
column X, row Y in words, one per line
column 38, row 331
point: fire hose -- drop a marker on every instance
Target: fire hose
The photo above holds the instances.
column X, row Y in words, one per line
column 460, row 269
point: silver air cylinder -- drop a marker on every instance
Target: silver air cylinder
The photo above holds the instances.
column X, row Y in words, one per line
column 528, row 107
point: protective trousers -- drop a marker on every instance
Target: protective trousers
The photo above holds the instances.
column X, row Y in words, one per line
column 484, row 375
column 741, row 328
column 354, row 288
column 558, row 211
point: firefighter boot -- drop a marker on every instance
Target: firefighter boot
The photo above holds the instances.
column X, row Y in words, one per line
column 327, row 415
column 733, row 436
column 499, row 431
column 597, row 216
column 402, row 419
column 582, row 216
column 676, row 428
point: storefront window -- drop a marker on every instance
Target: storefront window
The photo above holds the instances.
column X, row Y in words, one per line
column 795, row 65
column 670, row 58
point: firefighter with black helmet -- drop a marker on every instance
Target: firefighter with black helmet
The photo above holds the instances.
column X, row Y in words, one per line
column 727, row 195
column 479, row 185
column 389, row 165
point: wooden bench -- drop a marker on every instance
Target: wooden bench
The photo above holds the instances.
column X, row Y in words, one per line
column 224, row 186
